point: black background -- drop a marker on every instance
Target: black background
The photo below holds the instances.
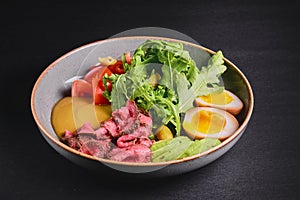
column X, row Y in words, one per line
column 262, row 38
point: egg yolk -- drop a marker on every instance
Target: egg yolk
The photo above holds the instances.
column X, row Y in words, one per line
column 222, row 98
column 208, row 122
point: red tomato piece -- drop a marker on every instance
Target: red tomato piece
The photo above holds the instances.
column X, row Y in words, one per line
column 108, row 84
column 117, row 68
column 97, row 72
column 98, row 92
column 128, row 57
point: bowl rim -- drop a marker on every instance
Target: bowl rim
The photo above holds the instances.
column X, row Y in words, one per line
column 50, row 137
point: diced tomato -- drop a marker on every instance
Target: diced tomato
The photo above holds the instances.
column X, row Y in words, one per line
column 117, row 68
column 81, row 88
column 108, row 84
column 128, row 58
column 98, row 92
column 97, row 72
column 92, row 84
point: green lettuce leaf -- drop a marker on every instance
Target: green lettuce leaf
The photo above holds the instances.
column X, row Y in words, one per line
column 199, row 146
column 171, row 150
column 180, row 147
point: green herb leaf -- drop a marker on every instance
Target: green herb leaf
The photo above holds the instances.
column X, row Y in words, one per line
column 167, row 53
column 207, row 82
column 113, row 79
column 120, row 93
column 181, row 81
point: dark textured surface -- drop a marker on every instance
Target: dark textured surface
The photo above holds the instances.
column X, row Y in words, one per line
column 261, row 38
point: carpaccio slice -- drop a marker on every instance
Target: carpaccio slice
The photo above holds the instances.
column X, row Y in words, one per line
column 123, row 137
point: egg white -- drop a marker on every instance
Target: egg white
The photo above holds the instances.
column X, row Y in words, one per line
column 234, row 107
column 230, row 127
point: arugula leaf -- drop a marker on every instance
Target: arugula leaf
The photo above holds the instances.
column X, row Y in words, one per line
column 207, row 82
column 125, row 85
column 169, row 77
column 180, row 81
column 167, row 53
column 160, row 101
column 120, row 93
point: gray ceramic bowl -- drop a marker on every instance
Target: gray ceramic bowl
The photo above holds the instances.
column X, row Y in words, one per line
column 50, row 87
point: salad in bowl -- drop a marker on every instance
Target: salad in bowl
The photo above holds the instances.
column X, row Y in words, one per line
column 156, row 102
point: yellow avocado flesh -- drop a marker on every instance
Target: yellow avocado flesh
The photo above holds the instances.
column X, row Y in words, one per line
column 222, row 98
column 71, row 113
column 207, row 122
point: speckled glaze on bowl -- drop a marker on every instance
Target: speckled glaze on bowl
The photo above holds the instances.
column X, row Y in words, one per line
column 50, row 87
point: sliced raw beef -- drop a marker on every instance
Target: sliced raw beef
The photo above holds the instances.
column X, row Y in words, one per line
column 124, row 137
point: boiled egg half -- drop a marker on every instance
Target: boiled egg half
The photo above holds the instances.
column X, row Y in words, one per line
column 225, row 100
column 202, row 122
